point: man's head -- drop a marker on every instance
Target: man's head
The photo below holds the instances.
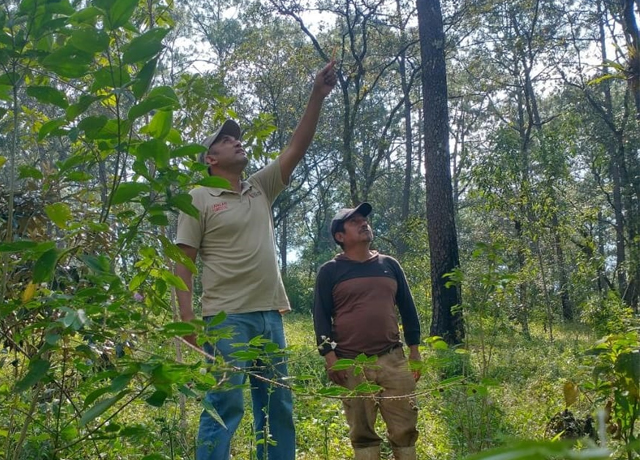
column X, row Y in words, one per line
column 224, row 149
column 350, row 226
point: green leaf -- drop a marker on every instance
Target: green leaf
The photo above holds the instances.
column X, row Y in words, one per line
column 173, row 252
column 157, row 399
column 127, row 191
column 158, row 218
column 78, row 176
column 59, row 213
column 97, row 264
column 48, row 95
column 137, row 280
column 59, row 7
column 183, row 203
column 628, row 364
column 94, row 395
column 333, row 391
column 145, row 46
column 85, row 15
column 245, row 355
column 92, row 124
column 84, row 102
column 162, row 97
column 10, row 79
column 160, row 124
column 50, row 127
column 174, row 280
column 89, row 40
column 44, row 266
column 122, row 381
column 112, row 130
column 174, row 137
column 179, row 329
column 6, row 93
column 27, row 171
column 69, row 433
column 143, row 79
column 100, row 407
column 367, row 387
column 17, row 246
column 110, row 77
column 120, row 13
column 3, row 160
column 218, row 319
column 68, row 61
column 440, row 345
column 187, row 150
column 342, row 364
column 37, row 370
column 155, row 149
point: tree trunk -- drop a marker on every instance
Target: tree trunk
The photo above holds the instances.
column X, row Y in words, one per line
column 633, row 42
column 408, row 138
column 443, row 243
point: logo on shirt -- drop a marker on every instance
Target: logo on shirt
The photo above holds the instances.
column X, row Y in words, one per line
column 220, row 207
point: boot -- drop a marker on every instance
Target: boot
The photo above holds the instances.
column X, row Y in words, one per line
column 404, row 453
column 367, row 453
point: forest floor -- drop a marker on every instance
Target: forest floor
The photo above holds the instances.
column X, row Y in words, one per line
column 513, row 387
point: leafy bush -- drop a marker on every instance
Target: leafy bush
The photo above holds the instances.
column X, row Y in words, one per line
column 607, row 315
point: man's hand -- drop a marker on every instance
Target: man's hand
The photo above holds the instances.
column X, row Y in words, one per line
column 326, row 79
column 414, row 357
column 337, row 377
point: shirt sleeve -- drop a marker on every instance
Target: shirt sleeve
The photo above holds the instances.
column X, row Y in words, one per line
column 190, row 229
column 322, row 310
column 269, row 180
column 406, row 306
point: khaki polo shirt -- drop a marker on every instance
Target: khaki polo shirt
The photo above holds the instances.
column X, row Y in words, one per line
column 235, row 239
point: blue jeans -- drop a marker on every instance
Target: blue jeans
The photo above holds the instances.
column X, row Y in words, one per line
column 272, row 405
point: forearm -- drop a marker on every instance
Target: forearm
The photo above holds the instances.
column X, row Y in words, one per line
column 306, row 129
column 414, row 352
column 302, row 136
column 185, row 298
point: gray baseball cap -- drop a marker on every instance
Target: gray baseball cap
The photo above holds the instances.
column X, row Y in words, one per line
column 364, row 209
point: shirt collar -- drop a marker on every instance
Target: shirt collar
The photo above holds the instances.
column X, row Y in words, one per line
column 245, row 187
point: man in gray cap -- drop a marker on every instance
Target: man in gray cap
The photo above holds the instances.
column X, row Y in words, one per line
column 354, row 313
column 234, row 237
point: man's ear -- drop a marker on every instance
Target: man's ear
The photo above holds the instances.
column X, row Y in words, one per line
column 210, row 160
column 339, row 236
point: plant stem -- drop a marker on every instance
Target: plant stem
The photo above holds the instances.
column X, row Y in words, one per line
column 27, row 422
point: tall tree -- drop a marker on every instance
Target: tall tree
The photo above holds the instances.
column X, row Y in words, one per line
column 443, row 243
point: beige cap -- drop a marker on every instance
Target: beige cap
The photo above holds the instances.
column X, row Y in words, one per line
column 229, row 127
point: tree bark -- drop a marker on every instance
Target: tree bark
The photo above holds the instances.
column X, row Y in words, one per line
column 443, row 242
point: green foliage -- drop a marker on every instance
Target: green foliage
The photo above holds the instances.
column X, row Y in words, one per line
column 606, row 315
column 84, row 299
column 542, row 451
column 299, row 290
column 489, row 295
column 616, row 384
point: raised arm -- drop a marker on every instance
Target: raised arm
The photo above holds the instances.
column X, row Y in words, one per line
column 303, row 135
